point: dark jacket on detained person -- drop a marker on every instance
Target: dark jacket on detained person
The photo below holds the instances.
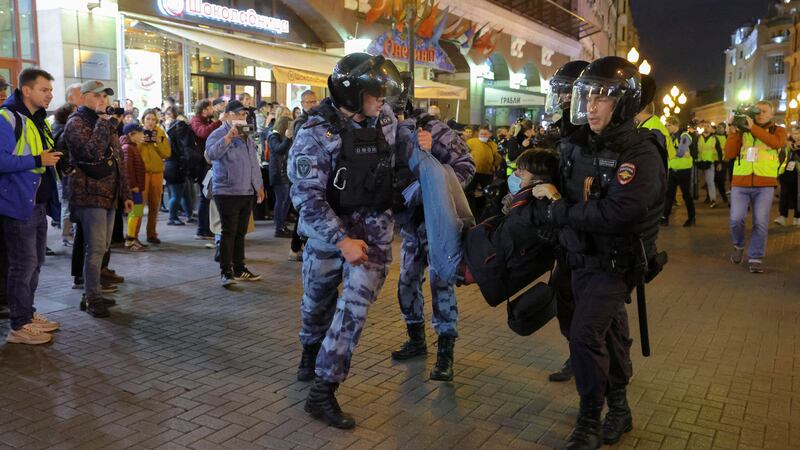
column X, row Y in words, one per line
column 17, row 169
column 634, row 194
column 279, row 146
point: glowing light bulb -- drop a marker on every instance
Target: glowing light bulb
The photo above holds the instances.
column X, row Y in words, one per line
column 644, row 68
column 633, row 55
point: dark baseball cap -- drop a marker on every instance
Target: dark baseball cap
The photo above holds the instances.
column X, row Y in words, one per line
column 262, row 104
column 234, row 106
column 96, row 87
column 217, row 101
column 132, row 128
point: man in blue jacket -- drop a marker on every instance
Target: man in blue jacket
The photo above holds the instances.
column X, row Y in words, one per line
column 28, row 184
column 235, row 179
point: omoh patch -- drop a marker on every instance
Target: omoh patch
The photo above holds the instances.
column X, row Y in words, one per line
column 303, row 166
column 626, row 173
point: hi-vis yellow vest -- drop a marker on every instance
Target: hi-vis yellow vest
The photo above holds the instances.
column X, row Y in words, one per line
column 685, row 161
column 30, row 142
column 767, row 163
column 707, row 148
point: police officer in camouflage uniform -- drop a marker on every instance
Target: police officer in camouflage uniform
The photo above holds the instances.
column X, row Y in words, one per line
column 341, row 167
column 613, row 182
column 449, row 148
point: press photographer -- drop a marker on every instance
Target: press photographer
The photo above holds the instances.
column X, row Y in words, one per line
column 753, row 143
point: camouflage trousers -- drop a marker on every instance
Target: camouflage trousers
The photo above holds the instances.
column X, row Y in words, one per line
column 413, row 261
column 333, row 319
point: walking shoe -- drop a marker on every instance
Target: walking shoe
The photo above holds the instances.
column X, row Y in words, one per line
column 108, row 288
column 780, row 220
column 96, row 307
column 712, row 205
column 227, row 279
column 321, row 404
column 755, row 267
column 66, row 243
column 295, row 256
column 283, row 233
column 563, row 374
column 415, row 345
column 737, row 255
column 43, row 323
column 689, row 222
column 109, row 276
column 28, row 334
column 663, row 221
column 796, row 221
column 308, row 362
column 49, row 252
column 210, row 245
column 246, row 275
column 108, row 301
column 78, row 283
column 153, row 240
column 175, row 222
column 135, row 246
column 588, row 430
column 203, row 237
column 191, row 220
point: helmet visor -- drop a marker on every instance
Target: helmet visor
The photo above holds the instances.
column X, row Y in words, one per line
column 559, row 95
column 594, row 97
column 383, row 80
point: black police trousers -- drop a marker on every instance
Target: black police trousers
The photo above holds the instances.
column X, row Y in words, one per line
column 599, row 338
column 682, row 178
column 561, row 281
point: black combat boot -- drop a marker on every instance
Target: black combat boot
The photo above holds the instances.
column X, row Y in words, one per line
column 321, row 404
column 443, row 369
column 587, row 432
column 563, row 374
column 308, row 362
column 415, row 345
column 618, row 420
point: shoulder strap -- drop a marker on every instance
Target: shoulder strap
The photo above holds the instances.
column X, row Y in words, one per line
column 16, row 122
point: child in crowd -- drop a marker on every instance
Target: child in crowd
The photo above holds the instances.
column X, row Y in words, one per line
column 132, row 137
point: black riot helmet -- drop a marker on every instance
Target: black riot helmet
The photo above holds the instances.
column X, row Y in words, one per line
column 360, row 73
column 649, row 88
column 607, row 79
column 561, row 86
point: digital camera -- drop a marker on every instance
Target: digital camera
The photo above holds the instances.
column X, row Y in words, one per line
column 245, row 129
column 741, row 113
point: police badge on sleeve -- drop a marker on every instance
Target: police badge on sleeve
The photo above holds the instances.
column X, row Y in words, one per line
column 626, row 173
column 304, row 167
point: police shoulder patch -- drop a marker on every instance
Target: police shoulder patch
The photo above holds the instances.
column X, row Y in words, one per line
column 626, row 173
column 304, row 166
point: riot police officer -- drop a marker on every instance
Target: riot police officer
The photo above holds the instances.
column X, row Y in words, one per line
column 558, row 101
column 341, row 168
column 613, row 185
column 450, row 149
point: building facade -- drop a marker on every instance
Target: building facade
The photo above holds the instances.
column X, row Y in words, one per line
column 19, row 43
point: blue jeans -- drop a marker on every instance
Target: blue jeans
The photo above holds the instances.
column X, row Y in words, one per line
column 98, row 226
column 178, row 197
column 760, row 198
column 25, row 241
column 282, row 203
column 447, row 212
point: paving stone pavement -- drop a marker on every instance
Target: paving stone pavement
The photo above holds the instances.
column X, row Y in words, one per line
column 183, row 363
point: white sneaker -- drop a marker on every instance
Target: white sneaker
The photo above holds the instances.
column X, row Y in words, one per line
column 42, row 323
column 796, row 221
column 28, row 334
column 780, row 220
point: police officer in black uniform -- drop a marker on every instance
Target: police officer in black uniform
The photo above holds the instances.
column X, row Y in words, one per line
column 558, row 101
column 613, row 181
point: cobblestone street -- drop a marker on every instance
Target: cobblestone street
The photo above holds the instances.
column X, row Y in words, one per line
column 183, row 363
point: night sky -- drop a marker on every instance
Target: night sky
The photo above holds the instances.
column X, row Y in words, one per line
column 684, row 40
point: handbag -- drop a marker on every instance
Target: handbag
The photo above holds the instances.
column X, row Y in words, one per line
column 532, row 310
column 98, row 169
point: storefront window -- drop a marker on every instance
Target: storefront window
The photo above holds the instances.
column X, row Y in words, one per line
column 27, row 38
column 8, row 36
column 244, row 70
column 203, row 62
column 264, row 75
column 154, row 67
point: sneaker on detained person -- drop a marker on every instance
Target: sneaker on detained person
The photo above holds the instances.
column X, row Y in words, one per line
column 780, row 220
column 737, row 254
column 246, row 275
column 29, row 334
column 43, row 323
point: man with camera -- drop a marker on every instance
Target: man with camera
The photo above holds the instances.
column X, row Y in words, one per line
column 754, row 143
column 29, row 187
column 236, row 178
column 97, row 184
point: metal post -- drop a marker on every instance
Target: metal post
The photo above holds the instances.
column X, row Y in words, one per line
column 187, row 78
column 120, row 59
column 411, row 14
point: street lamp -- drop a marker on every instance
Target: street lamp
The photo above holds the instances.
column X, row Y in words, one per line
column 645, row 68
column 633, row 55
column 682, row 99
column 674, row 91
column 793, row 104
column 677, row 110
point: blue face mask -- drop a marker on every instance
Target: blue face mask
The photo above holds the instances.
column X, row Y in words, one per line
column 514, row 183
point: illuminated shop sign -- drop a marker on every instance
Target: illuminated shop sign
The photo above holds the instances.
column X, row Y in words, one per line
column 428, row 53
column 203, row 11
